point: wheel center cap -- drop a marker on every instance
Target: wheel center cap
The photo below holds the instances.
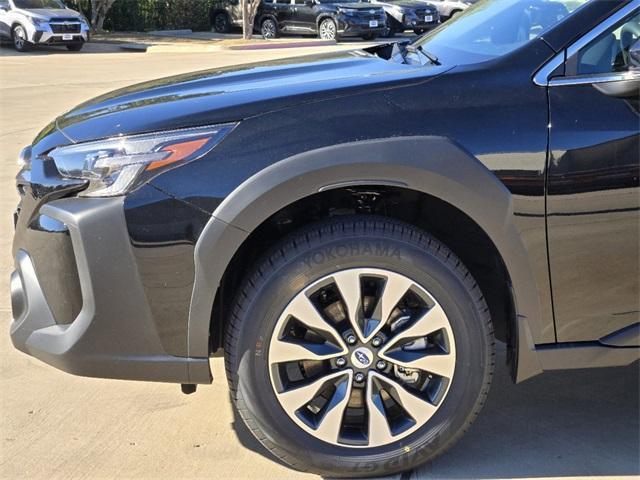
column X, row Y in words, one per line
column 362, row 357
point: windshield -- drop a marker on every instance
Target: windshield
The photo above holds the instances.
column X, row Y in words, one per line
column 492, row 28
column 31, row 4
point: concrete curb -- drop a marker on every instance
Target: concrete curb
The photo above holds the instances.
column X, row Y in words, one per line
column 204, row 48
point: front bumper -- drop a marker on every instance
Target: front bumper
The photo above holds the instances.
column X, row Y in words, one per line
column 354, row 27
column 113, row 334
column 43, row 35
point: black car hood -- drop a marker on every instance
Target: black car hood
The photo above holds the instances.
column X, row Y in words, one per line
column 234, row 93
column 357, row 6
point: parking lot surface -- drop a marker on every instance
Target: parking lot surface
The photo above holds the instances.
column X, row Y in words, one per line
column 564, row 424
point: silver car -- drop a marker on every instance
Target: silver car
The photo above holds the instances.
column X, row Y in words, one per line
column 449, row 8
column 42, row 22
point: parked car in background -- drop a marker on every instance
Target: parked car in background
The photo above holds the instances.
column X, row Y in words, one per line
column 328, row 19
column 42, row 22
column 225, row 15
column 450, row 8
column 408, row 15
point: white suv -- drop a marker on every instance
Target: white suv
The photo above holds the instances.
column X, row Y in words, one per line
column 42, row 22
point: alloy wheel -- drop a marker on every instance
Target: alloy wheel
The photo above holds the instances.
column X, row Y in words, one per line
column 268, row 29
column 328, row 30
column 362, row 357
column 19, row 38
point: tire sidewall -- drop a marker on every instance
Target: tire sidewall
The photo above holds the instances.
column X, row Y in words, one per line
column 284, row 282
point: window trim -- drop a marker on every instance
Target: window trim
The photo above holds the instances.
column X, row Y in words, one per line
column 543, row 77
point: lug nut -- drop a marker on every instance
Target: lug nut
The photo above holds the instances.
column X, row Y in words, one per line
column 351, row 339
column 376, row 342
column 359, row 377
column 341, row 362
column 381, row 364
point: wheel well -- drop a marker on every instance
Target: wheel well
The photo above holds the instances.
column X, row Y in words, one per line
column 321, row 18
column 445, row 222
column 215, row 11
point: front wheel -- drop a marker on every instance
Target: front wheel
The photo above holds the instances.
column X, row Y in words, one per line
column 269, row 29
column 360, row 346
column 328, row 30
column 221, row 22
column 19, row 36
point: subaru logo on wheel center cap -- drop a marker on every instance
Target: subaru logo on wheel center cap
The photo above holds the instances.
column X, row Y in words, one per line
column 362, row 358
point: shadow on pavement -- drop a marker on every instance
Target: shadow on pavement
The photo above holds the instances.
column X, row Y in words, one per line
column 7, row 50
column 578, row 423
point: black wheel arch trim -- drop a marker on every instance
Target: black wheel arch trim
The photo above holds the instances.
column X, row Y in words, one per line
column 447, row 172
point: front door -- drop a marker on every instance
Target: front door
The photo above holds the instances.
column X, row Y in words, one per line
column 593, row 203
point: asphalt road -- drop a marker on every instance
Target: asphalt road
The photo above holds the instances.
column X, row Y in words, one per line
column 52, row 425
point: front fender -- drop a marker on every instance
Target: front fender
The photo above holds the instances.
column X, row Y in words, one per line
column 433, row 165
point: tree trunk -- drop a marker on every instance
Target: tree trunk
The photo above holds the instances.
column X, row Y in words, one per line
column 246, row 26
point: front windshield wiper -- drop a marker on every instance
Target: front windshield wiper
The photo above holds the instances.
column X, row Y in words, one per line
column 412, row 48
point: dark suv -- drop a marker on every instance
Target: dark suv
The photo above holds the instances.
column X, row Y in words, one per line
column 414, row 15
column 328, row 19
column 352, row 230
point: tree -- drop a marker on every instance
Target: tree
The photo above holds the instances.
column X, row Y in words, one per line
column 249, row 10
column 99, row 10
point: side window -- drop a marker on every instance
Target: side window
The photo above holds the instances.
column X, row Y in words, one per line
column 609, row 52
column 283, row 2
column 4, row 5
column 299, row 2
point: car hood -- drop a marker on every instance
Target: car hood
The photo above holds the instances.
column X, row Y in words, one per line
column 50, row 13
column 408, row 4
column 235, row 93
column 357, row 6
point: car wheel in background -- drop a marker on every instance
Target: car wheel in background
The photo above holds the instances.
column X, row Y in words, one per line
column 328, row 30
column 419, row 31
column 19, row 36
column 75, row 47
column 389, row 29
column 269, row 29
column 369, row 36
column 359, row 347
column 221, row 23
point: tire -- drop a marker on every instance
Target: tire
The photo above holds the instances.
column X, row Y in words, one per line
column 328, row 30
column 287, row 275
column 75, row 47
column 19, row 38
column 389, row 30
column 419, row 31
column 221, row 22
column 269, row 29
column 369, row 37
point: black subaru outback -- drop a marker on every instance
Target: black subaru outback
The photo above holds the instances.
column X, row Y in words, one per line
column 352, row 230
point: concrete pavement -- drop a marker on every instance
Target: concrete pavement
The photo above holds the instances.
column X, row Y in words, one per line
column 52, row 425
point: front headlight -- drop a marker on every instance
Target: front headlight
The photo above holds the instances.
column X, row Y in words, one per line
column 38, row 21
column 113, row 165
